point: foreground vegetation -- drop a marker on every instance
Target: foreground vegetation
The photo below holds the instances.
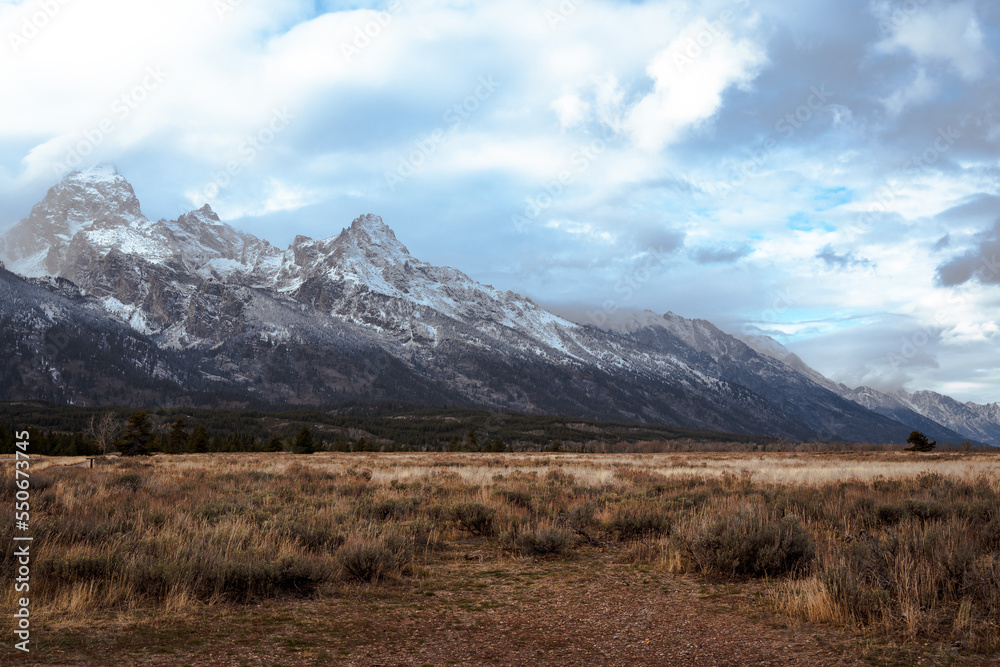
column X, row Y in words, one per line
column 900, row 547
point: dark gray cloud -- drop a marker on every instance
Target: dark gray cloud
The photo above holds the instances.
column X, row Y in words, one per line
column 843, row 261
column 885, row 351
column 942, row 242
column 659, row 239
column 719, row 254
column 890, row 352
column 981, row 262
column 978, row 209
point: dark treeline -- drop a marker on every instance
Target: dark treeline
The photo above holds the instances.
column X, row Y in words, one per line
column 66, row 430
column 139, row 434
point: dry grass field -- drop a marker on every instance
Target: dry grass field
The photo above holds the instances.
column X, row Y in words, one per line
column 512, row 559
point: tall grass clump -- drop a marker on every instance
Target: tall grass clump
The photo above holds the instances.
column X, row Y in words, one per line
column 744, row 539
column 369, row 558
column 923, row 564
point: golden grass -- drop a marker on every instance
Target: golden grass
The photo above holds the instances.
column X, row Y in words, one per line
column 892, row 544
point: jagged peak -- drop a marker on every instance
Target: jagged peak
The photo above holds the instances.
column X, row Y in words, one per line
column 84, row 195
column 203, row 214
column 99, row 173
column 369, row 230
column 369, row 221
column 207, row 211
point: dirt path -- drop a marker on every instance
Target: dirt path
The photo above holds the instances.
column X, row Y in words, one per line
column 585, row 611
column 39, row 463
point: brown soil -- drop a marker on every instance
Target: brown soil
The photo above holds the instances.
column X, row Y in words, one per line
column 471, row 609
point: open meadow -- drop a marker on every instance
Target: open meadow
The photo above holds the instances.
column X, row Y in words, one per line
column 512, row 559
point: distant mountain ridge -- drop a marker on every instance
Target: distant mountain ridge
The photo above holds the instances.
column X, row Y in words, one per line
column 357, row 317
column 925, row 410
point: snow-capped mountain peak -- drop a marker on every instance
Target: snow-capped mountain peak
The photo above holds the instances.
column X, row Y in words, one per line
column 206, row 215
column 94, row 197
column 370, row 235
column 302, row 324
column 99, row 192
column 100, row 173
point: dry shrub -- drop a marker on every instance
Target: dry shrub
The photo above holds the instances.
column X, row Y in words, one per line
column 635, row 520
column 745, row 540
column 369, row 558
column 37, row 482
column 219, row 566
column 473, row 517
column 929, row 568
column 545, row 538
column 426, row 535
column 313, row 533
column 521, row 496
column 558, row 477
column 129, row 481
column 393, row 509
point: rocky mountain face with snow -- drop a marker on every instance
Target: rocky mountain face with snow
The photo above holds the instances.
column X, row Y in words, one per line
column 194, row 311
column 939, row 417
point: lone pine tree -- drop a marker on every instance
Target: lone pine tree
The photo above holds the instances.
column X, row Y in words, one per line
column 919, row 442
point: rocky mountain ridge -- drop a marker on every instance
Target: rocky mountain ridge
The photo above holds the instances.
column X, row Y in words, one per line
column 356, row 316
column 925, row 410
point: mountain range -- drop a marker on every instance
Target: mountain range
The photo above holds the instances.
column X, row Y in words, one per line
column 100, row 305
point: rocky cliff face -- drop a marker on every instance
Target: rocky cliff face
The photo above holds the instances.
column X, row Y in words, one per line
column 356, row 316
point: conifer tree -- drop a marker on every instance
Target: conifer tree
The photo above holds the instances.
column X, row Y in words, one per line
column 136, row 438
column 177, row 441
column 304, row 443
column 919, row 442
column 198, row 442
column 274, row 444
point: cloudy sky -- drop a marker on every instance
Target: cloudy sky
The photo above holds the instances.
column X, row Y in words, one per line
column 823, row 171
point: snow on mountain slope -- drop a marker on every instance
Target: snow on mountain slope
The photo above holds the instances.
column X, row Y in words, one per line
column 365, row 265
column 715, row 353
column 90, row 229
column 98, row 196
column 356, row 315
column 939, row 417
column 977, row 422
column 769, row 347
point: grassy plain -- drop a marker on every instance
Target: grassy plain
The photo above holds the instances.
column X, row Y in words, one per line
column 452, row 558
